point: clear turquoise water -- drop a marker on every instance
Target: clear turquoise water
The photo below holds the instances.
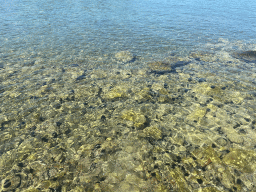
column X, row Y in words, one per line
column 101, row 27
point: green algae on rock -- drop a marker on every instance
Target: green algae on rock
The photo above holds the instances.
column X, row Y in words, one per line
column 243, row 160
column 116, row 92
column 124, row 56
column 153, row 132
column 137, row 118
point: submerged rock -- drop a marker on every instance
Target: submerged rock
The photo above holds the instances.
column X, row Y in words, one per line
column 243, row 160
column 116, row 92
column 125, row 56
column 203, row 56
column 160, row 66
column 247, row 56
column 153, row 132
column 137, row 118
column 168, row 65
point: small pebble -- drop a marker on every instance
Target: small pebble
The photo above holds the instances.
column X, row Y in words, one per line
column 201, row 80
column 153, row 174
column 32, row 134
column 7, row 183
column 44, row 139
column 57, row 106
column 58, row 123
column 236, row 126
column 20, row 164
column 238, row 181
column 54, row 135
column 74, row 65
column 97, row 146
column 103, row 118
column 81, row 77
column 242, row 131
column 200, row 181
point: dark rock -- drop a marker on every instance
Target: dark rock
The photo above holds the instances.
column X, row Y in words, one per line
column 247, row 56
column 80, row 77
column 201, row 80
column 97, row 146
column 58, row 189
column 177, row 159
column 68, row 131
column 219, row 130
column 153, row 174
column 74, row 65
column 163, row 67
column 57, row 106
column 213, row 145
column 41, row 119
column 31, row 170
column 238, row 181
column 237, row 173
column 200, row 181
column 236, row 126
column 33, row 97
column 103, row 118
column 162, row 72
column 44, row 139
column 33, row 134
column 54, row 135
column 20, row 165
column 31, row 63
column 180, row 64
column 7, row 183
column 58, row 124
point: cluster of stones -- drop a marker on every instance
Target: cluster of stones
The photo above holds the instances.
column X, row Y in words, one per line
column 130, row 131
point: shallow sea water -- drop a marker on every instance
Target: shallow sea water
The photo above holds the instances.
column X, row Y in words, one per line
column 127, row 96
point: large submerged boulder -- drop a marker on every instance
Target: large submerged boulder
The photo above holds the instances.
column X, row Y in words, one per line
column 125, row 56
column 247, row 56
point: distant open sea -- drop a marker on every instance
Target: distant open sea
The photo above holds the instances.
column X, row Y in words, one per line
column 141, row 26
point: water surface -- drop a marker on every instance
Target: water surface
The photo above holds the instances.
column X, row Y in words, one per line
column 127, row 95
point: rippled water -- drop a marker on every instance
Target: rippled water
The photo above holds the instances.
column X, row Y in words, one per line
column 127, row 95
column 144, row 27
